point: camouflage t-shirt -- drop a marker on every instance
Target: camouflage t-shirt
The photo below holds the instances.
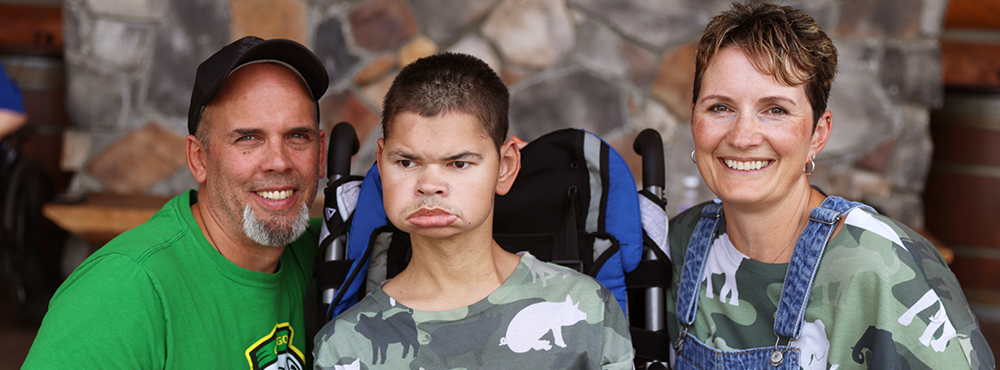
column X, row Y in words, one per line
column 882, row 297
column 543, row 317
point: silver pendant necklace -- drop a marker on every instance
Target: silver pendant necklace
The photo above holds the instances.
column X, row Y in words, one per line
column 795, row 236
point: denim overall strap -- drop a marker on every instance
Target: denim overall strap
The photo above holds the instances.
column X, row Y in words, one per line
column 694, row 263
column 804, row 263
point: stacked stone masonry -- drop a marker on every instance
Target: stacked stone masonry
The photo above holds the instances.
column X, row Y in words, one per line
column 613, row 67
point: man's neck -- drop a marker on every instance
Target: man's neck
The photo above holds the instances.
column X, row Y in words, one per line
column 234, row 245
column 445, row 274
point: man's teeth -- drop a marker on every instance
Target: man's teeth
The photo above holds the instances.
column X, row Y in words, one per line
column 276, row 195
column 746, row 166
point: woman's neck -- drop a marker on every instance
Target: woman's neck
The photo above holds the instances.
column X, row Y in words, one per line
column 768, row 234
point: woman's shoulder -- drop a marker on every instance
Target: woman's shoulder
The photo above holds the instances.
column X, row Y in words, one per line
column 682, row 227
column 887, row 259
column 683, row 223
column 876, row 261
column 866, row 229
column 693, row 213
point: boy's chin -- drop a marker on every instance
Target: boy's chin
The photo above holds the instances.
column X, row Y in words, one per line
column 446, row 233
column 439, row 233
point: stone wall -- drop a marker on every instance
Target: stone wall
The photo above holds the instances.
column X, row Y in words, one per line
column 613, row 67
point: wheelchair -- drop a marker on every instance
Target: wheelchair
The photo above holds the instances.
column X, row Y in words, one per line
column 574, row 203
column 30, row 245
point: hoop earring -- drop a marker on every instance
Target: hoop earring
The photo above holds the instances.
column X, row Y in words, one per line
column 695, row 161
column 810, row 167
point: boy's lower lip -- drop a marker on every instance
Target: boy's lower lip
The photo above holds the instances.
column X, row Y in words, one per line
column 432, row 218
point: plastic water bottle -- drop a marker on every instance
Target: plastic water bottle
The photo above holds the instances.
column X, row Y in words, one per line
column 690, row 197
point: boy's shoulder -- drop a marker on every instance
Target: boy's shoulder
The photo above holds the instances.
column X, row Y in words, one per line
column 539, row 269
column 537, row 298
column 546, row 281
column 533, row 281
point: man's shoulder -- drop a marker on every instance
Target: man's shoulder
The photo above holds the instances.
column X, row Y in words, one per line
column 168, row 227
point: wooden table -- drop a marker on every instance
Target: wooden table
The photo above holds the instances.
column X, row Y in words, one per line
column 101, row 217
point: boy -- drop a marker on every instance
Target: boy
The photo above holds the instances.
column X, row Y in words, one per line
column 463, row 301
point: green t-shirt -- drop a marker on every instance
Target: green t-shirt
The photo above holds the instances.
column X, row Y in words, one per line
column 882, row 297
column 160, row 296
column 543, row 317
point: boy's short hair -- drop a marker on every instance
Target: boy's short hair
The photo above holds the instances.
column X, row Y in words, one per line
column 450, row 83
column 780, row 41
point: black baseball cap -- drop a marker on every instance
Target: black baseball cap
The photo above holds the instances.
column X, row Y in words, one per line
column 212, row 73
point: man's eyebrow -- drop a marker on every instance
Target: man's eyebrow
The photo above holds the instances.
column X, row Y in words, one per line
column 303, row 129
column 246, row 131
column 251, row 131
column 464, row 155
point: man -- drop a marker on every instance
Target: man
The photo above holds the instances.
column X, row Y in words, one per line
column 215, row 279
column 463, row 301
column 12, row 114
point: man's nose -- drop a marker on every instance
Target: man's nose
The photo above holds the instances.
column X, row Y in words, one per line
column 431, row 182
column 277, row 157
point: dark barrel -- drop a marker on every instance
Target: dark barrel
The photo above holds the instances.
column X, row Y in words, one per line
column 962, row 197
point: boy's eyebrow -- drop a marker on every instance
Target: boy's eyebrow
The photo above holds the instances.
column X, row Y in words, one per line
column 454, row 157
column 403, row 155
column 464, row 155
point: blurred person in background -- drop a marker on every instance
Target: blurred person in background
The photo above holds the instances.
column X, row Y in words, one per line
column 12, row 114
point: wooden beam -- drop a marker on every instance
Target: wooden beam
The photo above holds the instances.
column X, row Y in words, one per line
column 31, row 29
column 973, row 14
column 968, row 64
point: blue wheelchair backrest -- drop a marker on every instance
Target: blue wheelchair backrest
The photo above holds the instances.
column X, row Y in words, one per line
column 573, row 203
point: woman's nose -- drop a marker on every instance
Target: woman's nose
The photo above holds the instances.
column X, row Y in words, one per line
column 744, row 132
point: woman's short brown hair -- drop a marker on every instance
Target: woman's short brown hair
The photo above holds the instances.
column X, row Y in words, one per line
column 780, row 41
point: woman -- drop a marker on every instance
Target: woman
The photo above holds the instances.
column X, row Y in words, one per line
column 774, row 273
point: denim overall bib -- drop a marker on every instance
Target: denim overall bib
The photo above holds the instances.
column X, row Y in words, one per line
column 693, row 354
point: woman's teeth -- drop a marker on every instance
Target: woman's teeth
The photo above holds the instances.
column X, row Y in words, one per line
column 276, row 195
column 746, row 166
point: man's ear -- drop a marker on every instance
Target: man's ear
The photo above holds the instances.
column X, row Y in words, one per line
column 821, row 135
column 510, row 165
column 322, row 153
column 196, row 159
column 378, row 155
